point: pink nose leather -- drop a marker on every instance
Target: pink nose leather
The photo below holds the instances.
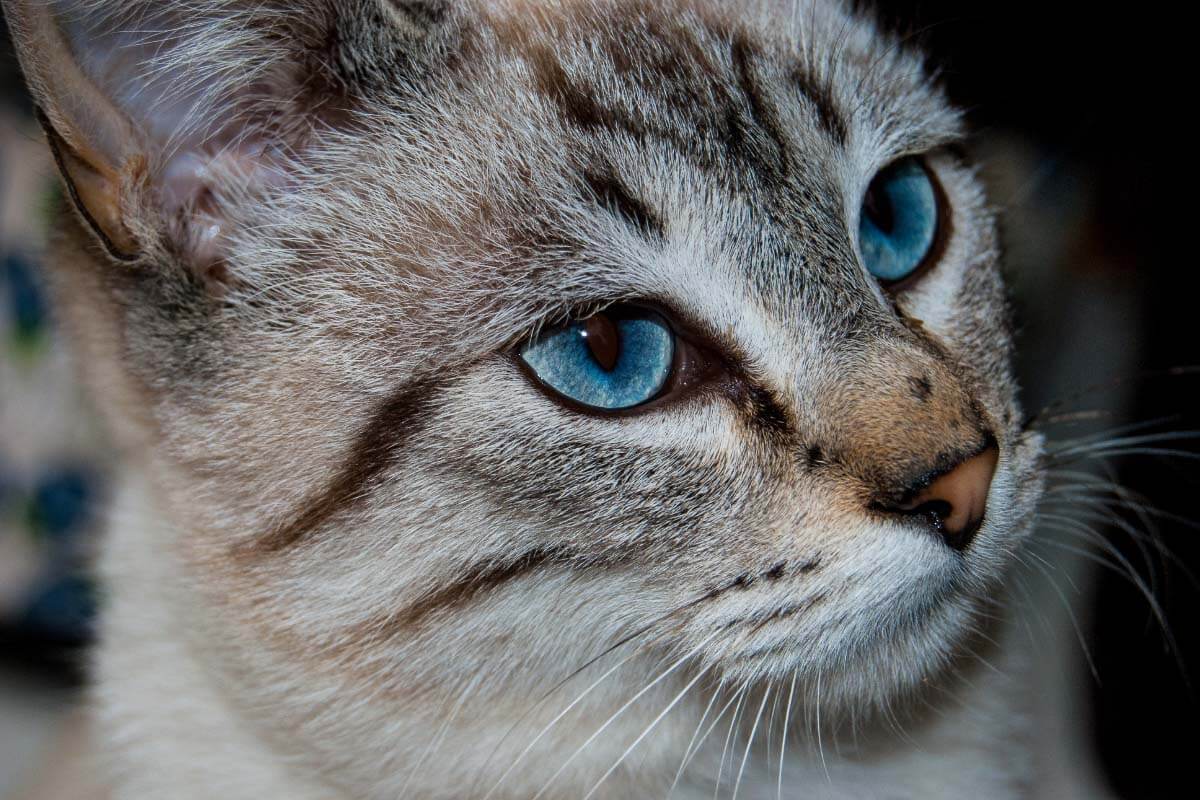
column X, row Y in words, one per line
column 955, row 502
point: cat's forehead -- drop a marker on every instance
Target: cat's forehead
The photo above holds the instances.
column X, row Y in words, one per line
column 688, row 59
column 747, row 123
column 585, row 151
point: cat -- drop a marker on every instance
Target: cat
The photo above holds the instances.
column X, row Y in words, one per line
column 578, row 398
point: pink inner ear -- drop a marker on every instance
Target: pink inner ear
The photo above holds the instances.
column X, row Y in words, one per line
column 189, row 82
column 199, row 189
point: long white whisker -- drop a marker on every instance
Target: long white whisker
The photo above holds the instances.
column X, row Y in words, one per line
column 646, row 732
column 737, row 784
column 436, row 742
column 725, row 750
column 579, row 699
column 1074, row 622
column 820, row 741
column 662, row 675
column 771, row 726
column 787, row 715
column 692, row 750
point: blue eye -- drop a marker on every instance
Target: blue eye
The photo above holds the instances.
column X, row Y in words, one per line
column 611, row 361
column 899, row 221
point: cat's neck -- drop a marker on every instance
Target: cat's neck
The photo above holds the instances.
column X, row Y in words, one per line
column 173, row 721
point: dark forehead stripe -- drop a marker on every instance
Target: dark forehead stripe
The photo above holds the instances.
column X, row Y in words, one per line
column 608, row 190
column 376, row 448
column 695, row 86
column 821, row 97
column 582, row 108
column 754, row 131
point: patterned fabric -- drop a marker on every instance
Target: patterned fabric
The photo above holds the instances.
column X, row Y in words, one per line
column 52, row 460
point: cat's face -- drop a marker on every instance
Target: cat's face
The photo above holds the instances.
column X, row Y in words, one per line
column 392, row 473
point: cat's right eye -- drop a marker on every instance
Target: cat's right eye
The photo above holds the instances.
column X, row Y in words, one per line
column 615, row 360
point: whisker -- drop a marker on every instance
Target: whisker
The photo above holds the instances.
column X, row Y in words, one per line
column 435, row 743
column 771, row 726
column 1146, row 515
column 1085, row 553
column 1068, row 525
column 637, row 634
column 820, row 741
column 1117, row 452
column 725, row 750
column 736, row 703
column 646, row 732
column 1074, row 622
column 1112, row 383
column 688, row 750
column 1126, row 570
column 622, row 710
column 787, row 714
column 1096, row 514
column 520, row 757
column 737, row 784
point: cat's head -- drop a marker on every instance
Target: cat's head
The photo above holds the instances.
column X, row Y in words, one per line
column 464, row 341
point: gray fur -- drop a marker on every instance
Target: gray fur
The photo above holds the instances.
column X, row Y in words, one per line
column 374, row 548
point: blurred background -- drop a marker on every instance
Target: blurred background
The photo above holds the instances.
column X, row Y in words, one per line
column 1079, row 126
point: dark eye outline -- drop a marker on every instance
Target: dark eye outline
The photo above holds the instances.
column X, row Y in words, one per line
column 692, row 368
column 941, row 234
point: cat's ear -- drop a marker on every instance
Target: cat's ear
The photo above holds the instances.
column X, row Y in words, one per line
column 164, row 115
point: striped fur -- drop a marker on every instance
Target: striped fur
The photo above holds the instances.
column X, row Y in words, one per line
column 359, row 555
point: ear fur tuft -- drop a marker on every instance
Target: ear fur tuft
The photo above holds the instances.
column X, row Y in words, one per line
column 165, row 115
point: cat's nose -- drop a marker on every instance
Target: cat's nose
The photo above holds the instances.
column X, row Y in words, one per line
column 954, row 502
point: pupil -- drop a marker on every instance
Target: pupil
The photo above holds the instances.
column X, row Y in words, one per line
column 878, row 208
column 603, row 341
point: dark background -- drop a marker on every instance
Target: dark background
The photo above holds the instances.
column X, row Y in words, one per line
column 1094, row 99
column 1097, row 92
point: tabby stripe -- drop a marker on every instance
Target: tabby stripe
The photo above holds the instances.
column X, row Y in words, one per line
column 377, row 447
column 760, row 112
column 612, row 195
column 820, row 95
column 580, row 108
column 475, row 581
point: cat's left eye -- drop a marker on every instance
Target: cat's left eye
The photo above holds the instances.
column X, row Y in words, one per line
column 899, row 221
column 615, row 360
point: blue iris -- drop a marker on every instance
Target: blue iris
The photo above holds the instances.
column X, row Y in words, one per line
column 899, row 221
column 608, row 362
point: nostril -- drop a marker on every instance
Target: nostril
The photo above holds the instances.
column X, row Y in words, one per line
column 937, row 511
column 954, row 503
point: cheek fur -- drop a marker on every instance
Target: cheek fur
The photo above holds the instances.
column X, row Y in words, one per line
column 603, row 484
